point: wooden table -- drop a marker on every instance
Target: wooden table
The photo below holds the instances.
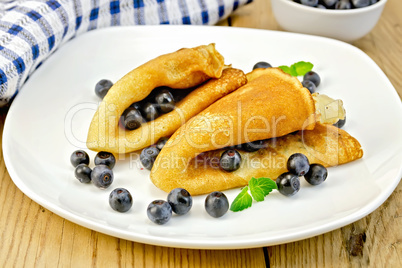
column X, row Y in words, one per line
column 33, row 236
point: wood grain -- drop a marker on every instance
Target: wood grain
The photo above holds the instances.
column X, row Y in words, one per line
column 33, row 236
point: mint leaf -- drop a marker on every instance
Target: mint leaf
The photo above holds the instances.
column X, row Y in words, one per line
column 303, row 67
column 297, row 69
column 242, row 201
column 287, row 70
column 261, row 187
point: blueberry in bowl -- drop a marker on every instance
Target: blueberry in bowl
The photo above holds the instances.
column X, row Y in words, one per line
column 347, row 20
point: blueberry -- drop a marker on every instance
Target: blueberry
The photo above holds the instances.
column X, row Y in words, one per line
column 373, row 2
column 137, row 106
column 216, row 204
column 361, row 3
column 298, row 164
column 102, row 176
column 180, row 200
column 253, row 146
column 321, row 6
column 165, row 100
column 309, row 85
column 313, row 77
column 288, row 184
column 329, row 3
column 317, row 174
column 148, row 156
column 120, row 200
column 150, row 111
column 102, row 87
column 159, row 211
column 131, row 118
column 343, row 4
column 230, row 160
column 83, row 173
column 105, row 158
column 310, row 3
column 161, row 143
column 262, row 64
column 79, row 157
column 340, row 123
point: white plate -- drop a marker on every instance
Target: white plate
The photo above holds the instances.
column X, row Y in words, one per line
column 49, row 119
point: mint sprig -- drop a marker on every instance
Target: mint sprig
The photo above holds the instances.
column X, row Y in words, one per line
column 259, row 189
column 242, row 201
column 297, row 69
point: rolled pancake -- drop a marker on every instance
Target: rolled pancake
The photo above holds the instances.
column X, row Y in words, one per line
column 270, row 105
column 185, row 68
column 325, row 144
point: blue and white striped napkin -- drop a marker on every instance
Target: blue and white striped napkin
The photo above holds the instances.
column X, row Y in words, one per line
column 30, row 30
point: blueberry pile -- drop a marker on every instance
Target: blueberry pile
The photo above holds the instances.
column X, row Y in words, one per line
column 160, row 101
column 101, row 175
column 298, row 166
column 336, row 4
column 178, row 201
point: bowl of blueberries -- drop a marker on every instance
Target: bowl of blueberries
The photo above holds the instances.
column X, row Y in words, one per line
column 345, row 20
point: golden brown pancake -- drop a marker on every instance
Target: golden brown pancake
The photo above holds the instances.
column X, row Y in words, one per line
column 185, row 68
column 270, row 105
column 325, row 144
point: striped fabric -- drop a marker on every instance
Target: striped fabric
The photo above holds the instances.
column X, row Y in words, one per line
column 30, row 30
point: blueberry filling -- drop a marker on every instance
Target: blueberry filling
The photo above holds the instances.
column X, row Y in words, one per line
column 160, row 101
